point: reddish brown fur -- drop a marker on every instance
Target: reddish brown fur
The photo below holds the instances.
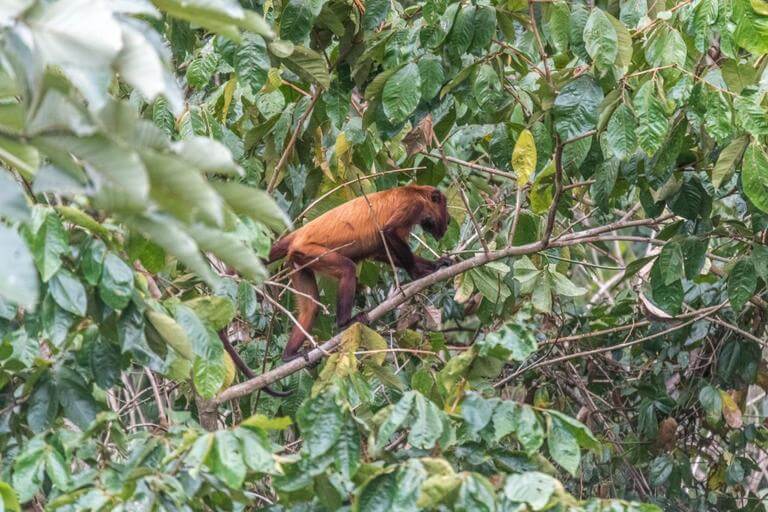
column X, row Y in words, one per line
column 334, row 242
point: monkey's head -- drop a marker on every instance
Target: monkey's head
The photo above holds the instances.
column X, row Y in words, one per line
column 435, row 218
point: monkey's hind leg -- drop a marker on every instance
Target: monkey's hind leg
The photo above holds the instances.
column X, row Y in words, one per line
column 304, row 282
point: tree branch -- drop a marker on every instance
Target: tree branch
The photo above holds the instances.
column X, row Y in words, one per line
column 415, row 287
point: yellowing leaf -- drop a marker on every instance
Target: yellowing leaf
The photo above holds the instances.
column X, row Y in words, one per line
column 524, row 158
column 172, row 333
column 731, row 411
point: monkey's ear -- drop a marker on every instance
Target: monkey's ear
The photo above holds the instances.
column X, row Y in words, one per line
column 436, row 196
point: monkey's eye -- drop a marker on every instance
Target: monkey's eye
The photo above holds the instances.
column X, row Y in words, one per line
column 436, row 197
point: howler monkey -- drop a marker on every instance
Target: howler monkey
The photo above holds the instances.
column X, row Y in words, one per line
column 334, row 242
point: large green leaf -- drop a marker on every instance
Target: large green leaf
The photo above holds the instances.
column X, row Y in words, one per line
column 116, row 285
column 68, row 292
column 653, row 124
column 742, row 282
column 754, row 176
column 297, row 18
column 401, row 93
column 620, row 138
column 18, row 278
column 577, row 106
column 665, row 47
column 532, row 488
column 600, row 39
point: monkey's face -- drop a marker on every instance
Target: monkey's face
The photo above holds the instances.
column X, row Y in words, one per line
column 436, row 218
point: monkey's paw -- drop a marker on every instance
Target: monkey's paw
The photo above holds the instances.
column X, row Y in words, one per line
column 445, row 261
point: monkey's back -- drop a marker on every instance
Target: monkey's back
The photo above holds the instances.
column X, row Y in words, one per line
column 352, row 228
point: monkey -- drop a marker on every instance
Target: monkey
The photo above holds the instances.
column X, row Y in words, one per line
column 375, row 226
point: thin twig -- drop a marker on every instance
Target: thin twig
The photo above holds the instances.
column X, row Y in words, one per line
column 292, row 141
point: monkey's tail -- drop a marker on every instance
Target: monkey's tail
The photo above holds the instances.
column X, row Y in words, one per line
column 279, row 249
column 244, row 367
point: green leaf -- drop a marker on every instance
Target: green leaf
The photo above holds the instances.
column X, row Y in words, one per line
column 200, row 70
column 251, row 61
column 258, row 452
column 232, row 249
column 55, row 467
column 402, row 93
column 751, row 27
column 116, row 285
column 600, row 39
column 477, row 411
column 43, row 406
column 228, row 461
column 377, row 494
column 563, row 447
column 297, row 18
column 168, row 234
column 172, row 333
column 661, row 469
column 431, row 76
column 558, row 27
column 68, row 292
column 728, row 159
column 577, row 106
column 476, row 494
column 624, row 43
column 347, row 449
column 13, row 202
column 75, row 398
column 605, row 181
column 532, row 488
column 9, row 499
column 665, row 47
column 253, row 203
column 712, row 403
column 484, row 28
column 397, row 416
column 209, row 371
column 620, row 136
column 754, row 176
column 509, row 342
column 92, row 261
column 119, row 174
column 580, row 432
column 220, row 16
column 28, row 470
column 218, row 312
column 742, row 282
column 528, row 429
column 670, row 263
column 462, row 32
column 652, row 119
column 309, row 65
column 320, row 421
column 22, row 157
column 428, row 424
column 668, row 297
column 18, row 278
column 50, row 242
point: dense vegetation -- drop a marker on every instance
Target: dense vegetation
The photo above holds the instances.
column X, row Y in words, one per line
column 599, row 338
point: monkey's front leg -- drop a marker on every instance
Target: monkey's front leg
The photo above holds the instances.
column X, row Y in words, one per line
column 416, row 266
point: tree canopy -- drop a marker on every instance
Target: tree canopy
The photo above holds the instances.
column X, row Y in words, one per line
column 596, row 346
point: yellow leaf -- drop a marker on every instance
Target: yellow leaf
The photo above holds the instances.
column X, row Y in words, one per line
column 229, row 377
column 229, row 92
column 273, row 80
column 731, row 411
column 524, row 158
column 261, row 421
column 172, row 333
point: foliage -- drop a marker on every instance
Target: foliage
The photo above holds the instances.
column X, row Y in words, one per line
column 607, row 177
